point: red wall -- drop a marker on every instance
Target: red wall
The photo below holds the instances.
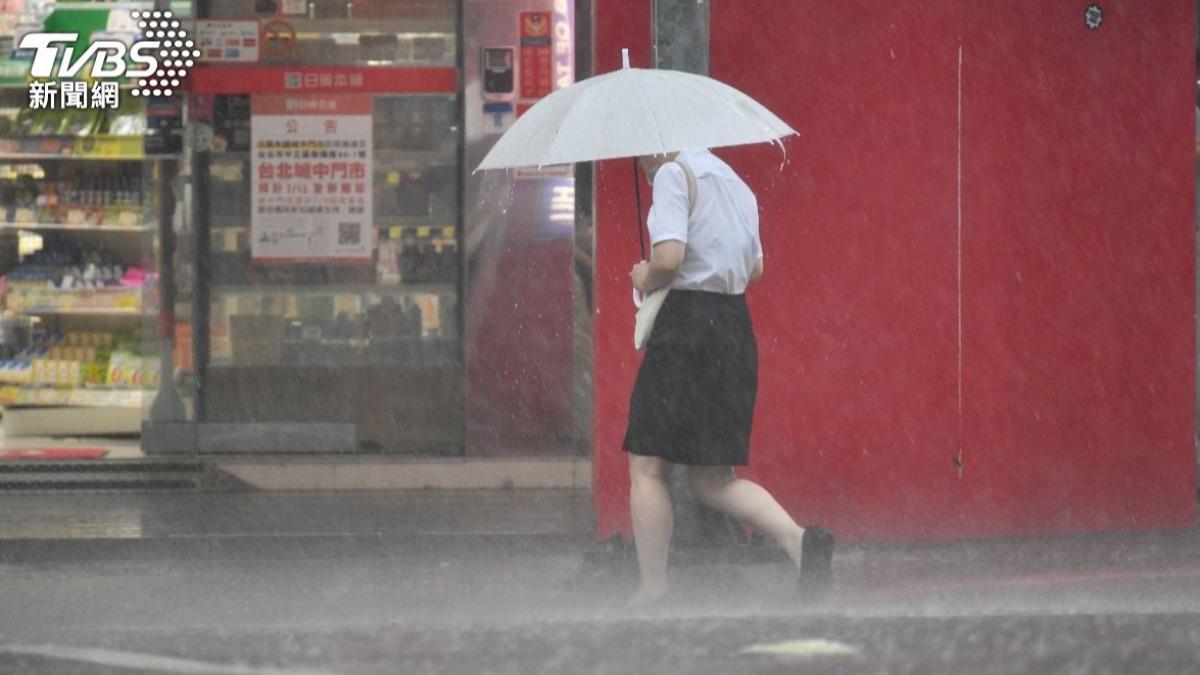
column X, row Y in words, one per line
column 618, row 23
column 1079, row 195
column 1050, row 338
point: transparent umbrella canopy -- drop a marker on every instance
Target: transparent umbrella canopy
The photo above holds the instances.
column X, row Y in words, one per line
column 633, row 112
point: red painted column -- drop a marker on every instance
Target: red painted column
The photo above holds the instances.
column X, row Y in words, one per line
column 619, row 23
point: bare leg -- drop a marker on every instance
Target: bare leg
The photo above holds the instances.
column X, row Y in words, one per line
column 718, row 488
column 650, row 505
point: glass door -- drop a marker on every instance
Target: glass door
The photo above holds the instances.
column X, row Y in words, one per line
column 332, row 201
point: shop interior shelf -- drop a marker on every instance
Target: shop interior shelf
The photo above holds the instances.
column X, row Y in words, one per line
column 361, row 289
column 20, row 395
column 72, row 420
column 419, row 352
column 30, row 156
column 84, row 311
column 76, row 228
column 410, row 26
column 403, row 158
column 434, row 221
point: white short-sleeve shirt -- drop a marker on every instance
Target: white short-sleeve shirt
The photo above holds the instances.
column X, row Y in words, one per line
column 721, row 236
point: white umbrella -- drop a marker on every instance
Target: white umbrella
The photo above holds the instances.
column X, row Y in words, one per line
column 630, row 113
column 633, row 112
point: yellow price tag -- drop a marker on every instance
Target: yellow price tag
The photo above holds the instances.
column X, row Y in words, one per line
column 423, row 231
column 346, row 304
column 230, row 173
column 395, row 232
column 393, row 178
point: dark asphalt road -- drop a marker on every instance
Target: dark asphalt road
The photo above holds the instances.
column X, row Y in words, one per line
column 1122, row 643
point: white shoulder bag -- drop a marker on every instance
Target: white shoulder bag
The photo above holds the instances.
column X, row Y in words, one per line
column 649, row 306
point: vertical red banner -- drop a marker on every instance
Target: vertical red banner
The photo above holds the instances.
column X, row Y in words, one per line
column 537, row 55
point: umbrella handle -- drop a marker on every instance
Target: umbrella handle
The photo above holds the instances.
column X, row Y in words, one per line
column 638, row 298
column 637, row 192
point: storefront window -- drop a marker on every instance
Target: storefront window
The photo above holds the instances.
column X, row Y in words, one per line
column 363, row 33
column 341, row 280
column 86, row 171
column 333, row 225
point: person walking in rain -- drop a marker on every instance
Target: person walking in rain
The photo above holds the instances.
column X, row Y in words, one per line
column 693, row 401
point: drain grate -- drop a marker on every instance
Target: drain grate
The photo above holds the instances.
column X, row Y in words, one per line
column 103, row 475
column 102, row 466
column 95, row 485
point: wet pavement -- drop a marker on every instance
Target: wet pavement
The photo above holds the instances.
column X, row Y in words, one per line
column 710, row 645
column 464, row 599
column 179, row 515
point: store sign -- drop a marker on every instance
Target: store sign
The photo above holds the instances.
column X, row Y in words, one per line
column 224, row 40
column 162, row 56
column 230, row 79
column 312, row 79
column 311, row 157
column 537, row 77
column 564, row 45
column 556, row 191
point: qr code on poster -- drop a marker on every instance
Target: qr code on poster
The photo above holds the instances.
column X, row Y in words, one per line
column 349, row 234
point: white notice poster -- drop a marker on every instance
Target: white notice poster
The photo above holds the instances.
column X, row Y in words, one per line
column 311, row 158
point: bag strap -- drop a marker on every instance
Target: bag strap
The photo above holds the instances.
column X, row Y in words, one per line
column 692, row 191
column 691, row 184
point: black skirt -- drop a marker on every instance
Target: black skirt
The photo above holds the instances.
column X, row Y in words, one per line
column 693, row 402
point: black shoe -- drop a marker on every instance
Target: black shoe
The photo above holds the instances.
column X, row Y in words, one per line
column 816, row 563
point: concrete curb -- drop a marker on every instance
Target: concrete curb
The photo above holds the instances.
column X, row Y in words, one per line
column 310, row 546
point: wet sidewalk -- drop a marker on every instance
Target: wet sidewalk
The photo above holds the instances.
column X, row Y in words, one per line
column 455, row 557
column 1111, row 603
column 47, row 525
column 557, row 524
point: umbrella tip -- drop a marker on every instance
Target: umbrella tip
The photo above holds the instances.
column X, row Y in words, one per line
column 624, row 57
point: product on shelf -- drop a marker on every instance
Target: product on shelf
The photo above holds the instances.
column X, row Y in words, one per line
column 127, row 120
column 130, row 370
column 428, row 255
column 13, row 371
column 67, row 174
column 70, row 276
column 126, row 123
column 69, row 268
column 98, row 197
column 81, row 359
